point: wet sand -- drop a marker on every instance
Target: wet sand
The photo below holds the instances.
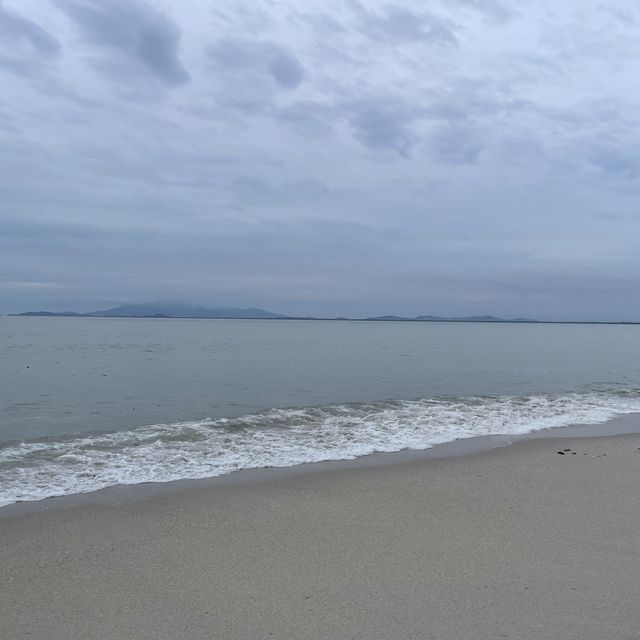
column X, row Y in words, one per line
column 518, row 542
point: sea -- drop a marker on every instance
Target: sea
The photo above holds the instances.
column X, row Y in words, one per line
column 88, row 403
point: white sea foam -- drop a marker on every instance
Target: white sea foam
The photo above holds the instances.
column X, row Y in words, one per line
column 283, row 437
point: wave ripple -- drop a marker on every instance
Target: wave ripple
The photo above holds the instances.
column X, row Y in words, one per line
column 42, row 468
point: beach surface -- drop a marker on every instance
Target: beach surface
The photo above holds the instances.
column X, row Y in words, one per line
column 518, row 542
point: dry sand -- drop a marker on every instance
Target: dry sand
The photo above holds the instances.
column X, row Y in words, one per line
column 518, row 542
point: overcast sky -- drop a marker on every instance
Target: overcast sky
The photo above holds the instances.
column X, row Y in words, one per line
column 448, row 157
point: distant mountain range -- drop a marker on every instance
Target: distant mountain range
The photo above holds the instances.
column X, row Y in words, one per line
column 184, row 310
column 452, row 319
column 163, row 310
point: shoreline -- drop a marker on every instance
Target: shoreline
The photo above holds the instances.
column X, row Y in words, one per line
column 36, row 314
column 516, row 542
column 626, row 424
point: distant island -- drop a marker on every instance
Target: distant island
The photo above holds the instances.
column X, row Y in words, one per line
column 450, row 319
column 164, row 310
column 184, row 310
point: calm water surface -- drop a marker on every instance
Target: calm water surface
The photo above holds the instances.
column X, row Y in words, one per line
column 63, row 377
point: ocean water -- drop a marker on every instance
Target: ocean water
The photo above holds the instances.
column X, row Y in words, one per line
column 87, row 403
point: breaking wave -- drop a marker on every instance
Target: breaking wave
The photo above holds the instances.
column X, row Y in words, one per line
column 37, row 469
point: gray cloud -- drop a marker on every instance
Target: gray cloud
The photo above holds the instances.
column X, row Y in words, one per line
column 382, row 124
column 396, row 23
column 307, row 118
column 15, row 29
column 26, row 49
column 286, row 70
column 240, row 56
column 134, row 29
column 494, row 9
column 456, row 144
column 627, row 17
column 617, row 161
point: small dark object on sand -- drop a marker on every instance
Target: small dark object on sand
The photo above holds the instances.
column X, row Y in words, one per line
column 560, row 453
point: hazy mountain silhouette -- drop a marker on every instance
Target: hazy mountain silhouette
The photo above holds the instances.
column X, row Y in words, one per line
column 176, row 309
column 169, row 309
column 451, row 319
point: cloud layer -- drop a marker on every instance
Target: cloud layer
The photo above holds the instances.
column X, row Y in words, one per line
column 330, row 158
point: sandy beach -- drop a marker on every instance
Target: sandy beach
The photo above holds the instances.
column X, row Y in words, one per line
column 518, row 542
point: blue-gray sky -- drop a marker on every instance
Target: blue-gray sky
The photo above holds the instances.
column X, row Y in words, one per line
column 325, row 157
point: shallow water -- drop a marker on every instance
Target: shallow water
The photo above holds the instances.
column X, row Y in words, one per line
column 91, row 402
